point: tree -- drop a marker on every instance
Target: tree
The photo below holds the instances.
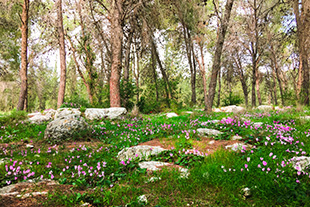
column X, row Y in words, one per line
column 218, row 53
column 22, row 102
column 62, row 54
column 302, row 15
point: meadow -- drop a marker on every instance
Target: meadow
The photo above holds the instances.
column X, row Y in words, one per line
column 87, row 170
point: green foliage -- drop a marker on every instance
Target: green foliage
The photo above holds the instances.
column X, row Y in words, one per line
column 13, row 117
column 127, row 92
column 232, row 100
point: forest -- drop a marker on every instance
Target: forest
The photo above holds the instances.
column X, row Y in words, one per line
column 153, row 54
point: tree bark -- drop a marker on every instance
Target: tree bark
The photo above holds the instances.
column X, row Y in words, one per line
column 202, row 71
column 218, row 53
column 243, row 80
column 116, row 41
column 302, row 15
column 22, row 103
column 257, row 89
column 62, row 54
column 154, row 73
column 219, row 91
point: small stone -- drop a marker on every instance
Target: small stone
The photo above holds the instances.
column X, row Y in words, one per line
column 29, row 146
column 140, row 152
column 237, row 146
column 246, row 192
column 205, row 131
column 142, row 199
column 153, row 179
column 85, row 204
column 236, row 137
column 211, row 142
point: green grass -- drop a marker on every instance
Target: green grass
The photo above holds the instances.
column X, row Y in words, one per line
column 214, row 180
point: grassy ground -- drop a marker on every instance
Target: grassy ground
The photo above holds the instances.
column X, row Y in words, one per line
column 90, row 166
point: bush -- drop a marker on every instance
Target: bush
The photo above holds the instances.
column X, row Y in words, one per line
column 232, row 100
column 14, row 116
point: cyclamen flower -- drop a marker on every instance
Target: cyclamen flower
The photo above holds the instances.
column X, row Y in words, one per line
column 264, row 163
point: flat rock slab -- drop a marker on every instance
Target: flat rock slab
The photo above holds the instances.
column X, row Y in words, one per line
column 205, row 131
column 141, row 151
column 63, row 112
column 98, row 113
column 170, row 115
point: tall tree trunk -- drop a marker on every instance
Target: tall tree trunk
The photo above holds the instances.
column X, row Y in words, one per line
column 165, row 77
column 127, row 57
column 154, row 73
column 243, row 80
column 24, row 62
column 116, row 41
column 187, row 40
column 257, row 89
column 202, row 71
column 274, row 84
column 302, row 15
column 218, row 53
column 219, row 91
column 62, row 54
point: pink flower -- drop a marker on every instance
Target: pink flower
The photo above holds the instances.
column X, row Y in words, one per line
column 264, row 163
column 245, row 166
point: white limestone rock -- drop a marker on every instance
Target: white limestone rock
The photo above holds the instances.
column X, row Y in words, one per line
column 39, row 118
column 65, row 127
column 63, row 112
column 237, row 147
column 264, row 107
column 140, row 152
column 300, row 163
column 236, row 137
column 205, row 131
column 170, row 115
column 111, row 113
column 152, row 165
column 233, row 109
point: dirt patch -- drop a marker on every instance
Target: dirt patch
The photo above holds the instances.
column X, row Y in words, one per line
column 202, row 145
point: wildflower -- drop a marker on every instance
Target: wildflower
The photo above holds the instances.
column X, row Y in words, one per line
column 245, row 166
column 264, row 163
column 248, row 159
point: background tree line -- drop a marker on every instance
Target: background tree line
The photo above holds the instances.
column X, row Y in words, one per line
column 156, row 54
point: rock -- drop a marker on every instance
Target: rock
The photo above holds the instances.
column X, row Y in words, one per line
column 50, row 112
column 39, row 118
column 300, row 163
column 246, row 192
column 31, row 194
column 152, row 165
column 189, row 112
column 216, row 110
column 184, row 172
column 305, row 117
column 111, row 113
column 34, row 114
column 63, row 112
column 142, row 151
column 205, row 131
column 237, row 146
column 264, row 107
column 211, row 142
column 236, row 137
column 142, row 199
column 85, row 204
column 170, row 115
column 65, row 127
column 29, row 146
column 233, row 109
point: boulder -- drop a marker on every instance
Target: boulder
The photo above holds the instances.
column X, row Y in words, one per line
column 152, row 165
column 111, row 113
column 205, row 131
column 39, row 118
column 49, row 112
column 233, row 109
column 300, row 163
column 170, row 115
column 265, row 107
column 65, row 127
column 63, row 112
column 142, row 151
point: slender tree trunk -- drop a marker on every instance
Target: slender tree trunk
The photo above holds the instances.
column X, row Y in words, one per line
column 62, row 54
column 243, row 80
column 138, row 75
column 219, row 91
column 154, row 73
column 88, row 87
column 218, row 53
column 274, row 85
column 202, row 71
column 24, row 62
column 167, row 86
column 116, row 41
column 257, row 89
column 127, row 57
column 254, row 76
